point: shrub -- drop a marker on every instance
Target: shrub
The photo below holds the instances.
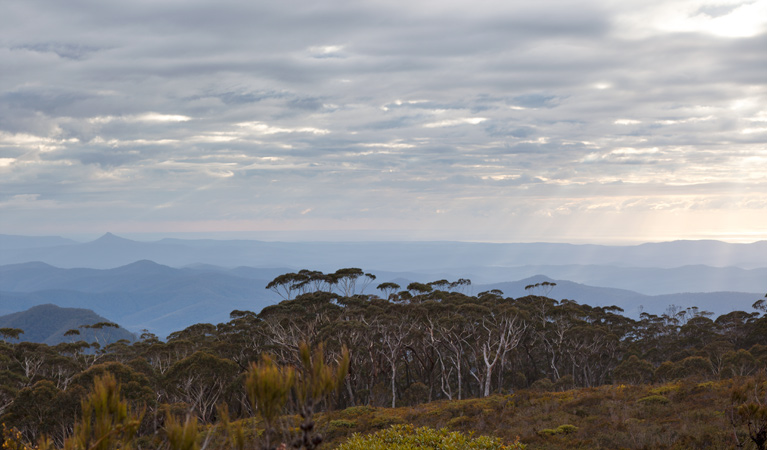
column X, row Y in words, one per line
column 665, row 389
column 458, row 422
column 384, row 421
column 407, row 437
column 355, row 411
column 565, row 383
column 567, row 429
column 562, row 429
column 341, row 423
column 654, row 400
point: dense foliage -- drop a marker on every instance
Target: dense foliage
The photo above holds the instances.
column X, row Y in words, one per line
column 405, row 348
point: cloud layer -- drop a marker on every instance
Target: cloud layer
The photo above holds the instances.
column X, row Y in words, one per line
column 492, row 120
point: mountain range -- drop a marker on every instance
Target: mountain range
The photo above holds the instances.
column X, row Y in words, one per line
column 110, row 251
column 166, row 285
column 161, row 299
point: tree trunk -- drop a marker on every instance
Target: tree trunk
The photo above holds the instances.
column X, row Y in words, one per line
column 393, row 385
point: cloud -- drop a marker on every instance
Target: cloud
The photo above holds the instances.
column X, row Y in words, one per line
column 455, row 122
column 383, row 111
column 146, row 117
column 262, row 128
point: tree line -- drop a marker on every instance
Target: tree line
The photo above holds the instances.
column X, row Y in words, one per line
column 428, row 341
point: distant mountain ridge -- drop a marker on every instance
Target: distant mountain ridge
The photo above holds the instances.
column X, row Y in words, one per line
column 8, row 242
column 632, row 302
column 140, row 295
column 169, row 284
column 111, row 251
column 162, row 299
column 48, row 323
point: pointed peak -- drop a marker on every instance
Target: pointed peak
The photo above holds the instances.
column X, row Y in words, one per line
column 536, row 279
column 109, row 237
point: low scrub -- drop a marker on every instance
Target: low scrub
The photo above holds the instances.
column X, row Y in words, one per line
column 408, row 437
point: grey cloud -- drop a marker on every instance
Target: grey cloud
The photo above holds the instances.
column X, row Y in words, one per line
column 63, row 50
column 507, row 102
column 50, row 102
column 536, row 101
column 506, row 129
column 239, row 98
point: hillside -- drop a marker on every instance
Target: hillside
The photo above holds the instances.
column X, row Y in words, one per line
column 682, row 415
column 48, row 323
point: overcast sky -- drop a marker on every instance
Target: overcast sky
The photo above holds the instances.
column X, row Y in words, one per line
column 585, row 121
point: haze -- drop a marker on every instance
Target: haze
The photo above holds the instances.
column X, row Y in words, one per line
column 591, row 121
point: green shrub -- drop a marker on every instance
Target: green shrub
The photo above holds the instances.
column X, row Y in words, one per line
column 385, row 421
column 567, row 429
column 562, row 429
column 355, row 411
column 654, row 400
column 665, row 389
column 341, row 423
column 407, row 437
column 458, row 422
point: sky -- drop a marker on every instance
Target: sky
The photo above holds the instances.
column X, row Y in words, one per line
column 505, row 121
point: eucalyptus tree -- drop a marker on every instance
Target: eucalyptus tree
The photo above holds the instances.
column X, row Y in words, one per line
column 31, row 357
column 736, row 326
column 739, row 363
column 461, row 285
column 595, row 342
column 351, row 281
column 541, row 289
column 60, row 369
column 289, row 323
column 8, row 334
column 393, row 333
column 353, row 329
column 286, row 285
column 423, row 350
column 453, row 334
column 500, row 333
column 388, row 289
column 418, row 290
column 551, row 324
column 241, row 339
column 42, row 409
column 202, row 381
column 633, row 371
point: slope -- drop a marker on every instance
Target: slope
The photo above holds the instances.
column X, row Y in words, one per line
column 48, row 323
